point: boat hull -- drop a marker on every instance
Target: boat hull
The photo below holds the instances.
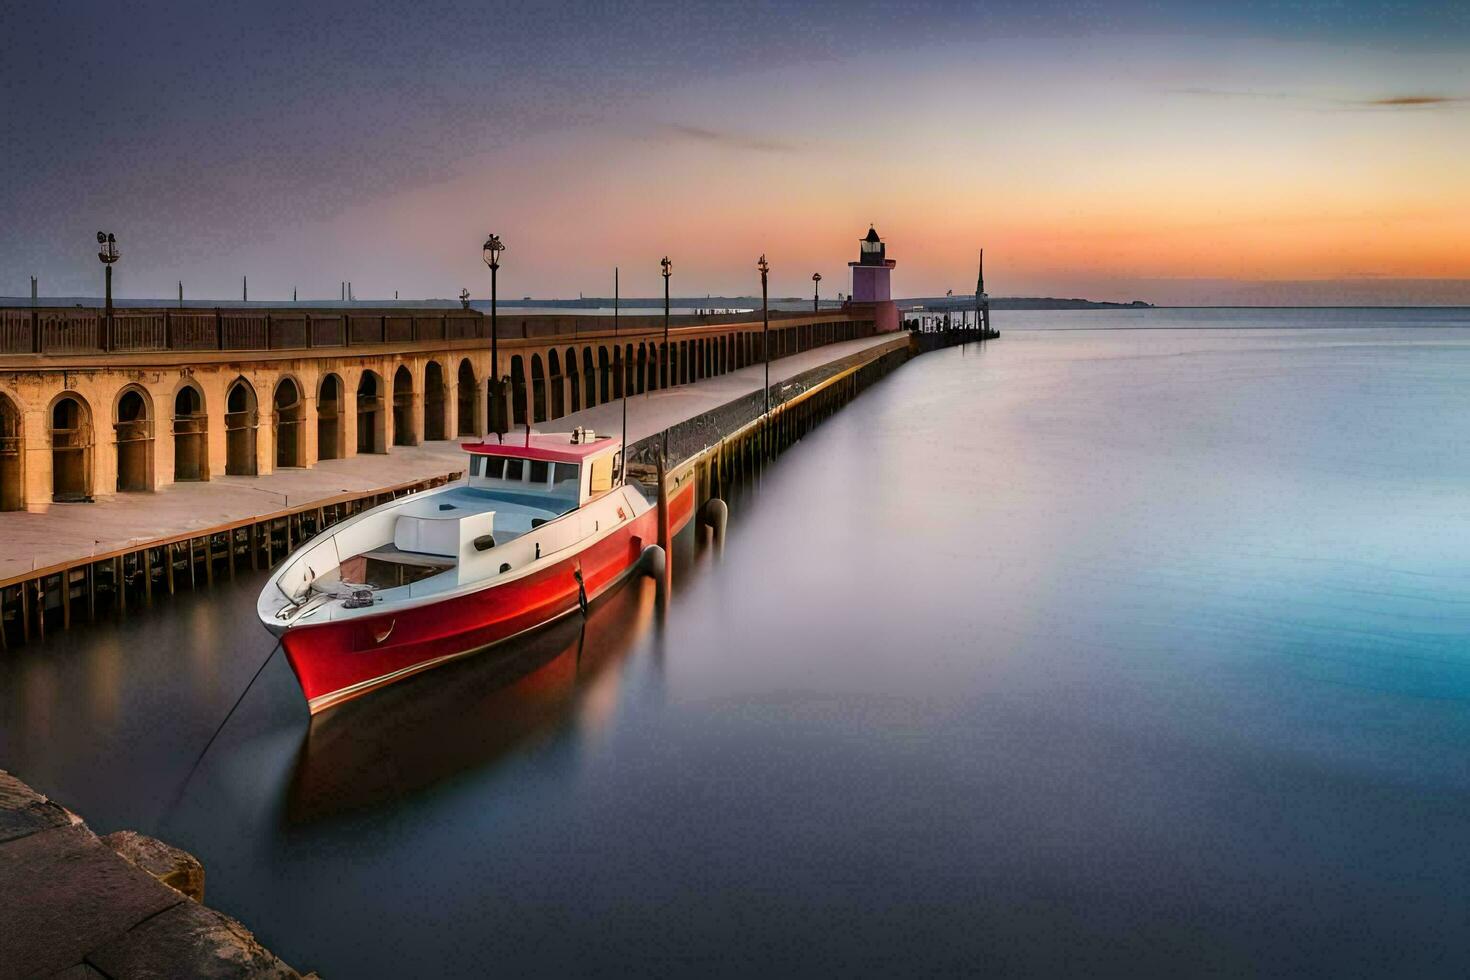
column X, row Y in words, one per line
column 338, row 660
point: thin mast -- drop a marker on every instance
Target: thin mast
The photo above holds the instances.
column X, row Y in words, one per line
column 624, row 371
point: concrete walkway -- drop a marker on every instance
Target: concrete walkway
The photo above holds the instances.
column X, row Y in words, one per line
column 68, row 533
column 657, row 410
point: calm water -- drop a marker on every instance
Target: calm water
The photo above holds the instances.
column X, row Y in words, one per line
column 1096, row 650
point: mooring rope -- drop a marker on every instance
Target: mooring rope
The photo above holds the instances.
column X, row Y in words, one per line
column 178, row 796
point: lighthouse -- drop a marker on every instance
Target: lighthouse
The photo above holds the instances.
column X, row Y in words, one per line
column 870, row 286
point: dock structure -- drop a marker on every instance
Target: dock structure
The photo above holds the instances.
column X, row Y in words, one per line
column 150, row 450
column 78, row 563
column 92, row 406
column 953, row 320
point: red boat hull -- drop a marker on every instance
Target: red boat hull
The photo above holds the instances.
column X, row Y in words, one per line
column 336, row 661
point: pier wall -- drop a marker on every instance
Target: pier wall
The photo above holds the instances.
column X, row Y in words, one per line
column 90, row 408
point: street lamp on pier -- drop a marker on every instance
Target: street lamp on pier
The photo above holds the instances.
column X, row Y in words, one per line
column 464, row 298
column 816, row 292
column 663, row 358
column 765, row 269
column 492, row 251
column 107, row 252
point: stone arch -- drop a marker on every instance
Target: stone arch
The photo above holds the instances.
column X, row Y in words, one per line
column 329, row 428
column 604, row 376
column 557, row 406
column 288, row 411
column 403, row 434
column 538, row 390
column 372, row 432
column 70, row 419
column 242, row 416
column 517, row 390
column 12, row 455
column 589, row 377
column 436, row 405
column 132, row 414
column 574, row 379
column 629, row 373
column 642, row 368
column 469, row 398
column 190, row 427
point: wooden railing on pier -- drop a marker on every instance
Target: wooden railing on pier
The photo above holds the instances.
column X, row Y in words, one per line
column 70, row 331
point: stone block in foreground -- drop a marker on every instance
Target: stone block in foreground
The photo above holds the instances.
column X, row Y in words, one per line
column 189, row 940
column 170, row 865
column 74, row 906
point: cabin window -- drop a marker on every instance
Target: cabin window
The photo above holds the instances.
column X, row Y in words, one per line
column 494, row 467
column 565, row 477
column 601, row 475
column 514, row 468
column 540, row 471
column 477, row 465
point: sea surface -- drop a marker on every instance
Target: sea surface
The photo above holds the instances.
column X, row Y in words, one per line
column 1132, row 643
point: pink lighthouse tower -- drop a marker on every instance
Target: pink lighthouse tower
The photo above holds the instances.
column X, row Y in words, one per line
column 870, row 281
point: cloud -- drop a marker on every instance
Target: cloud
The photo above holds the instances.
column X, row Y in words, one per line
column 1412, row 100
column 1408, row 101
column 733, row 141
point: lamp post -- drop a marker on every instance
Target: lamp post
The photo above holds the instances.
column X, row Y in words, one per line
column 663, row 358
column 491, row 253
column 108, row 253
column 765, row 268
column 464, row 298
column 816, row 292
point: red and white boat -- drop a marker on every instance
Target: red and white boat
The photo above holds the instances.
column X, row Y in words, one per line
column 535, row 528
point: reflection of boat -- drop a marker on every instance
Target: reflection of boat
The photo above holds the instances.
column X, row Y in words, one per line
column 477, row 711
column 533, row 530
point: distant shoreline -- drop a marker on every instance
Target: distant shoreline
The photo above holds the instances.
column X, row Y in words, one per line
column 684, row 305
